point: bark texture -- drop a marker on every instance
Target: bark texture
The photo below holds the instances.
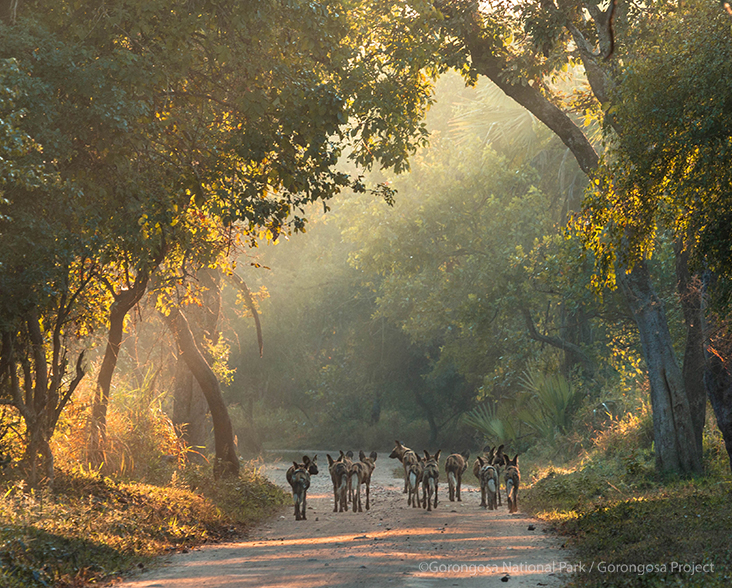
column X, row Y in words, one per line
column 190, row 406
column 672, row 422
column 691, row 295
column 123, row 303
column 227, row 461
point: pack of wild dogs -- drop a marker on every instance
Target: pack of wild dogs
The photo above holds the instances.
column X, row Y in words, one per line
column 420, row 473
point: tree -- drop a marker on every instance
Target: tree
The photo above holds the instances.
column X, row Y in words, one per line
column 520, row 49
column 227, row 462
column 173, row 135
column 672, row 160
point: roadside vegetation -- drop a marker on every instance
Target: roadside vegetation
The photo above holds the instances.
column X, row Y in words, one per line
column 98, row 525
column 625, row 524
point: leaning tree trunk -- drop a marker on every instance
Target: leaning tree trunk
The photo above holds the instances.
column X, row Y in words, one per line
column 227, row 462
column 98, row 423
column 673, row 426
column 189, row 406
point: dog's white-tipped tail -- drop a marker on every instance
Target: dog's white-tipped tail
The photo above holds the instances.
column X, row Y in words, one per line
column 492, row 485
column 432, row 484
column 412, row 480
column 453, row 478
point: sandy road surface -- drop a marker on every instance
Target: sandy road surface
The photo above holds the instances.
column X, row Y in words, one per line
column 458, row 544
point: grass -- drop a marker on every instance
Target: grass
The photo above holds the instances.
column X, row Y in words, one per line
column 92, row 529
column 629, row 527
column 653, row 538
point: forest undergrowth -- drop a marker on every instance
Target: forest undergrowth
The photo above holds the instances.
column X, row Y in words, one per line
column 627, row 526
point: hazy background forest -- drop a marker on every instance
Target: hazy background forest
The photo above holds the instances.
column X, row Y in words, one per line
column 439, row 319
column 399, row 321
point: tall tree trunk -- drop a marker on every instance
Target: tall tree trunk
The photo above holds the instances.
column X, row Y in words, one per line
column 227, row 462
column 190, row 407
column 673, row 427
column 123, row 303
column 575, row 328
column 36, row 426
column 692, row 303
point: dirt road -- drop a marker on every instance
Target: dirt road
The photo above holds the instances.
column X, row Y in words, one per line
column 458, row 544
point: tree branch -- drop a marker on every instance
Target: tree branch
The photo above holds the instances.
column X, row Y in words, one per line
column 246, row 293
column 80, row 373
column 557, row 342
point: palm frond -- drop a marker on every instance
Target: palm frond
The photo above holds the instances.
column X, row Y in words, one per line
column 485, row 420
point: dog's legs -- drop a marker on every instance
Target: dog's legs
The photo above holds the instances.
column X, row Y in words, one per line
column 296, row 500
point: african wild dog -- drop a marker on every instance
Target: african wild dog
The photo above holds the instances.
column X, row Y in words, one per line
column 487, row 451
column 361, row 474
column 347, row 458
column 455, row 466
column 487, row 457
column 406, row 456
column 311, row 465
column 339, row 476
column 496, row 458
column 488, row 477
column 499, row 461
column 414, row 479
column 513, row 480
column 430, row 478
column 299, row 479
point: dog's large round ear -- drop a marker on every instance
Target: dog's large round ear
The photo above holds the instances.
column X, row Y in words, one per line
column 305, row 459
column 480, row 460
column 315, row 458
column 437, row 455
column 373, row 455
column 297, row 465
column 426, row 454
